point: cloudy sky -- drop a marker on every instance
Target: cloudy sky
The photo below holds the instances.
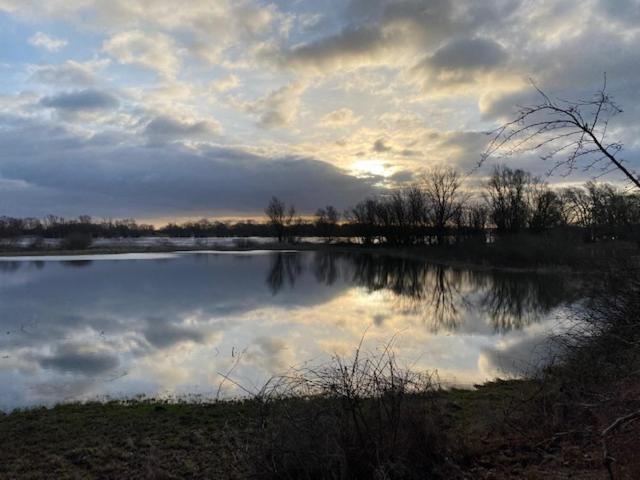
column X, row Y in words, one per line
column 166, row 109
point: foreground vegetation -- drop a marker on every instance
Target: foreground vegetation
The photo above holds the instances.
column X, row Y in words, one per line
column 366, row 417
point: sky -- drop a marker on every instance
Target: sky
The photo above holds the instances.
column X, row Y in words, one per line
column 167, row 110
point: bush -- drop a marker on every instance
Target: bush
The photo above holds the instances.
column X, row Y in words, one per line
column 36, row 243
column 76, row 241
column 602, row 346
column 363, row 419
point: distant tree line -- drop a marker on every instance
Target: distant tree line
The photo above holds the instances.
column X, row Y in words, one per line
column 53, row 226
column 438, row 209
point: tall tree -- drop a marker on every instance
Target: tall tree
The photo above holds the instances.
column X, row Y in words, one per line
column 279, row 217
column 442, row 189
column 506, row 194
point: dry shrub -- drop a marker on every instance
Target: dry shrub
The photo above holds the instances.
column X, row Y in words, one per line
column 603, row 346
column 360, row 419
column 593, row 385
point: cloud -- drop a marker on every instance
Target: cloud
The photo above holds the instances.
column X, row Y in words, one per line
column 278, row 108
column 460, row 61
column 152, row 50
column 51, row 44
column 45, row 166
column 225, row 83
column 166, row 129
column 469, row 54
column 380, row 146
column 520, row 353
column 162, row 334
column 80, row 359
column 402, row 176
column 414, row 81
column 87, row 100
column 69, row 73
column 342, row 117
column 272, row 353
column 351, row 47
column 377, row 33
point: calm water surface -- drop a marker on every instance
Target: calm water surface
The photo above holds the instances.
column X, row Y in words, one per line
column 169, row 324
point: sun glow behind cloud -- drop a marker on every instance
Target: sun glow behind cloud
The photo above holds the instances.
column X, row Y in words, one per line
column 366, row 168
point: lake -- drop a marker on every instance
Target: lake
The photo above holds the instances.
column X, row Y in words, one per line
column 168, row 325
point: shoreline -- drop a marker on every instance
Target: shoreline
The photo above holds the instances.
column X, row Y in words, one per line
column 445, row 256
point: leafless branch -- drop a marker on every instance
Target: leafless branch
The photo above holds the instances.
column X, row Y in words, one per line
column 566, row 130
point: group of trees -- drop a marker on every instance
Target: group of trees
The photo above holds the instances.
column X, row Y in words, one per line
column 438, row 209
column 53, row 226
column 287, row 226
column 519, row 201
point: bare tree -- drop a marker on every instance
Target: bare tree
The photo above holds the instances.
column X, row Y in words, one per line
column 506, row 195
column 545, row 205
column 279, row 217
column 442, row 189
column 327, row 221
column 569, row 131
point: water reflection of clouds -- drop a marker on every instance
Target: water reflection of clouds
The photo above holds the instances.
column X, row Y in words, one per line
column 520, row 352
column 169, row 327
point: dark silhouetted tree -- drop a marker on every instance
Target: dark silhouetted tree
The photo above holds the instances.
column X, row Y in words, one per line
column 442, row 189
column 280, row 217
column 506, row 195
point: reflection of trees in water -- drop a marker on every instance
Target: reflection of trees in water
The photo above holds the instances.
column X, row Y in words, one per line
column 443, row 294
column 517, row 302
column 76, row 263
column 445, row 297
column 433, row 291
column 9, row 266
column 285, row 268
column 325, row 267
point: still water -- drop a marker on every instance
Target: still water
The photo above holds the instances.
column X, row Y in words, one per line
column 167, row 325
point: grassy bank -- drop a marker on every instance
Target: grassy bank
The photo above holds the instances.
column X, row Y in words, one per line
column 479, row 433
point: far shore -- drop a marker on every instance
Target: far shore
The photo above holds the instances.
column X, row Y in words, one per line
column 518, row 253
column 444, row 255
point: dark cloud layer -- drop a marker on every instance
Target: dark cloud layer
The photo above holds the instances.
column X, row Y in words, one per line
column 75, row 358
column 164, row 128
column 82, row 100
column 469, row 54
column 48, row 170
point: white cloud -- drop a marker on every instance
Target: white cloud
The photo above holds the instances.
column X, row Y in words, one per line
column 342, row 117
column 155, row 51
column 43, row 40
column 69, row 73
column 278, row 108
column 227, row 82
